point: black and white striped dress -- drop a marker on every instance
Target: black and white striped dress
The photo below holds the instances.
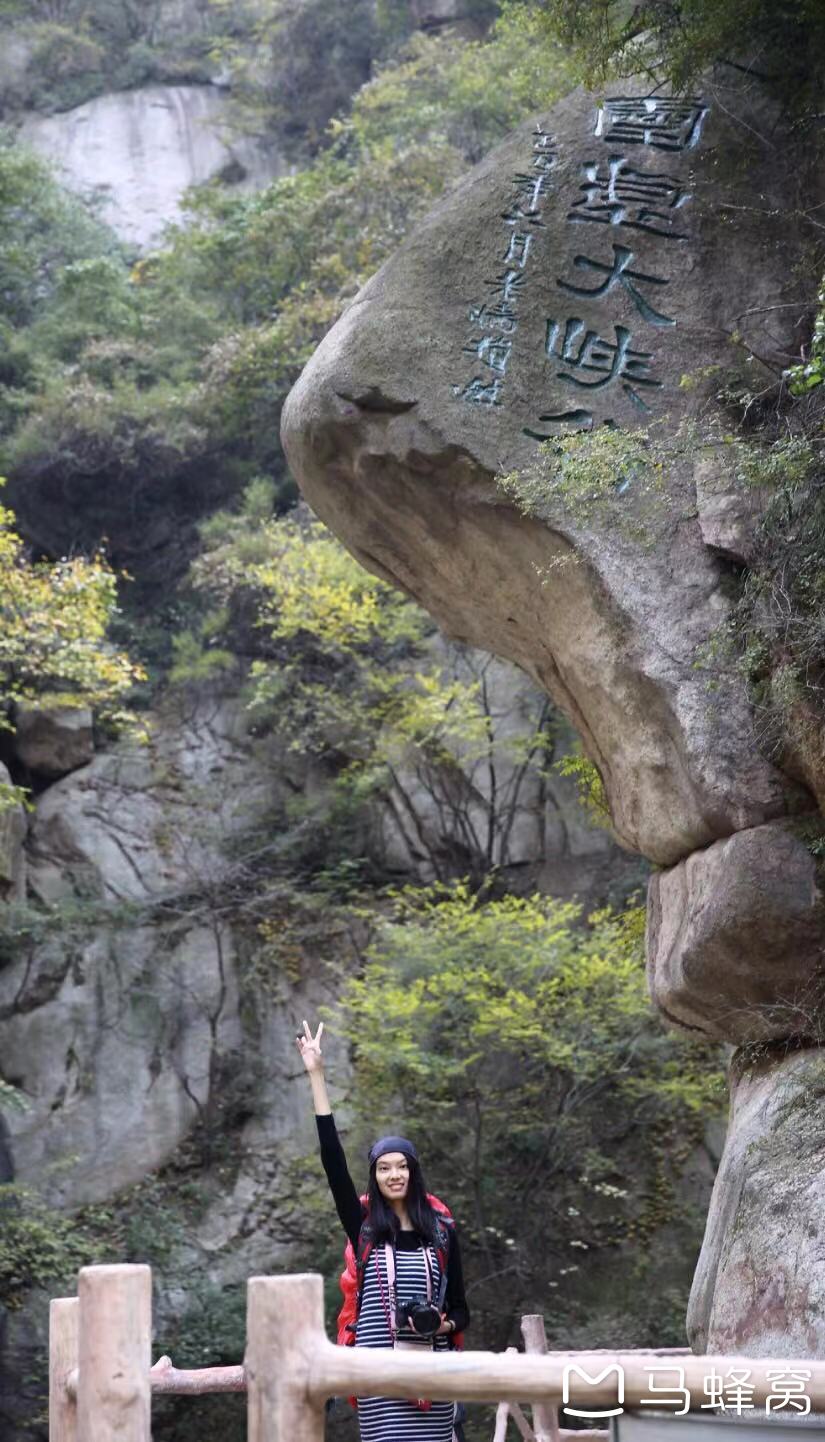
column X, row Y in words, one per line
column 385, row 1419
column 389, row 1419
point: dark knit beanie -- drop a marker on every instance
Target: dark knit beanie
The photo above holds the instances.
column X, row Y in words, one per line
column 392, row 1144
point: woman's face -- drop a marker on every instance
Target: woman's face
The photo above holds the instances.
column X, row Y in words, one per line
column 392, row 1173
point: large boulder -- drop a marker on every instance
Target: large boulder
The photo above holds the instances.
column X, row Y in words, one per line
column 759, row 1287
column 736, row 936
column 572, row 280
column 54, row 740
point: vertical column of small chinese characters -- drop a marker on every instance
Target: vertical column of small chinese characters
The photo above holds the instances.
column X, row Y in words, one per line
column 618, row 200
column 495, row 319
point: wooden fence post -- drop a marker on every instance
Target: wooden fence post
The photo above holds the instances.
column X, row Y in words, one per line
column 545, row 1415
column 502, row 1416
column 63, row 1329
column 284, row 1327
column 506, row 1410
column 114, row 1353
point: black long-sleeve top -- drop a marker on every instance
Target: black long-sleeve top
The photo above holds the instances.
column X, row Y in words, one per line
column 351, row 1210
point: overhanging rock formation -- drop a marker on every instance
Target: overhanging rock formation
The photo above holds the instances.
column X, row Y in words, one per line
column 614, row 264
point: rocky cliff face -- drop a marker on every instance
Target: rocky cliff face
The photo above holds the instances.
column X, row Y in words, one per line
column 136, row 152
column 141, row 1014
column 114, row 1026
column 134, row 1016
column 587, row 277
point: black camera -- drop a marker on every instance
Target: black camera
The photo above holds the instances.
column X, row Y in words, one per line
column 422, row 1316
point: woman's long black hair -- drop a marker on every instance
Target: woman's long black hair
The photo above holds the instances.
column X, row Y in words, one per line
column 384, row 1222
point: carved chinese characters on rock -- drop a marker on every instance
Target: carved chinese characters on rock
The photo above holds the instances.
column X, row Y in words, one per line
column 615, row 193
column 622, row 204
column 660, row 122
column 495, row 320
column 626, row 209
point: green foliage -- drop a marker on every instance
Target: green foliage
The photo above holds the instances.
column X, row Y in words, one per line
column 775, row 632
column 589, row 786
column 428, row 89
column 11, row 1099
column 65, row 67
column 443, row 90
column 42, row 230
column 598, row 475
column 351, row 675
column 212, row 1330
column 38, row 1245
column 93, row 302
column 196, row 659
column 54, row 649
column 781, row 41
column 521, row 1045
column 312, row 56
column 811, row 373
column 69, row 51
column 25, row 926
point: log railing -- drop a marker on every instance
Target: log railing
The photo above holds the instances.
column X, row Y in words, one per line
column 101, row 1381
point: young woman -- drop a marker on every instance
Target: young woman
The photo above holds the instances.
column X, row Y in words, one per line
column 405, row 1241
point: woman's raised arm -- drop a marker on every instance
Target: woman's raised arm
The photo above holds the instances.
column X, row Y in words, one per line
column 347, row 1201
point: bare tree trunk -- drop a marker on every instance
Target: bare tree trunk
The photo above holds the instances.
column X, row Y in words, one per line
column 416, row 821
column 518, row 780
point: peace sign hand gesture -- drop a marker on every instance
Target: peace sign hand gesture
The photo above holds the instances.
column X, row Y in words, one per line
column 310, row 1048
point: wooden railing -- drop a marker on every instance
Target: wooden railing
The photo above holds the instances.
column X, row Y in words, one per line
column 101, row 1379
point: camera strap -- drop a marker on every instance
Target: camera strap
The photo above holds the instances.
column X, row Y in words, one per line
column 388, row 1303
column 390, row 1310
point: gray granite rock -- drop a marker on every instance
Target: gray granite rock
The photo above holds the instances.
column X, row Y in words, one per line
column 54, row 740
column 148, row 821
column 572, row 280
column 736, row 937
column 110, row 1038
column 759, row 1287
column 728, row 514
column 137, row 151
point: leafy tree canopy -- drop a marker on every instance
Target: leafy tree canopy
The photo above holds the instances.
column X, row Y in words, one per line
column 170, row 373
column 780, row 41
column 350, row 671
column 519, row 1047
column 42, row 230
column 54, row 650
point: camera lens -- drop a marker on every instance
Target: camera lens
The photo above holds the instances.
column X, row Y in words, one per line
column 425, row 1320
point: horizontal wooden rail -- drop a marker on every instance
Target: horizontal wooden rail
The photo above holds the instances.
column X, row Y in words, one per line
column 489, row 1376
column 164, row 1378
column 101, row 1381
